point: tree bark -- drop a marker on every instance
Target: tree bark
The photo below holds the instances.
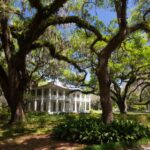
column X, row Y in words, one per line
column 17, row 114
column 17, row 86
column 122, row 105
column 104, row 85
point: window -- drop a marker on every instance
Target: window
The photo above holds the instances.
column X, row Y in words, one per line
column 33, row 92
column 59, row 106
column 46, row 92
column 39, row 92
column 60, row 93
column 73, row 106
column 67, row 94
column 54, row 92
column 54, row 106
column 32, row 106
column 38, row 105
column 45, row 106
column 87, row 106
column 78, row 95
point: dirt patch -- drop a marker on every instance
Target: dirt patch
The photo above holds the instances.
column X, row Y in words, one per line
column 37, row 142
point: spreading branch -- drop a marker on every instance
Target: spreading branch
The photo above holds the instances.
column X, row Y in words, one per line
column 145, row 14
column 55, row 20
column 139, row 26
column 121, row 8
column 56, row 55
column 37, row 25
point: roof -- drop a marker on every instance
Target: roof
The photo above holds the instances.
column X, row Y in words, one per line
column 58, row 85
column 54, row 85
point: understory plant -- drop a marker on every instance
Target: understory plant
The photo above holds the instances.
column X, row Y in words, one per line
column 91, row 130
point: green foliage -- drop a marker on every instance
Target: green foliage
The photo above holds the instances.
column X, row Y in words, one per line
column 4, row 113
column 108, row 146
column 92, row 130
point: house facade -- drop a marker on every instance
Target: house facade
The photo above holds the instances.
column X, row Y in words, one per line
column 53, row 98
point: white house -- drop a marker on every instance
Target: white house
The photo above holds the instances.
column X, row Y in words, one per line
column 54, row 98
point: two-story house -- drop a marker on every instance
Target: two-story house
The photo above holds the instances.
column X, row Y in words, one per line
column 54, row 98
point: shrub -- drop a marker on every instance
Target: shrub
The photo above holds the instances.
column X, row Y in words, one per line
column 92, row 130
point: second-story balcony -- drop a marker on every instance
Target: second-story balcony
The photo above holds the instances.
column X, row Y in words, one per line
column 52, row 97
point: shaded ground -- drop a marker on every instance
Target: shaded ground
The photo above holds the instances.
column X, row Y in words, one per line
column 45, row 142
column 37, row 142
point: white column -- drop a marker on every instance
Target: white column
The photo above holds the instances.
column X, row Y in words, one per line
column 50, row 94
column 80, row 104
column 57, row 94
column 75, row 103
column 64, row 105
column 49, row 107
column 85, row 106
column 49, row 101
column 89, row 102
column 63, row 102
column 42, row 99
column 64, row 95
column 35, row 105
column 35, row 101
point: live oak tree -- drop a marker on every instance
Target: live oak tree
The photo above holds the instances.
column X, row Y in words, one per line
column 112, row 37
column 19, row 34
column 129, row 69
column 18, row 40
column 122, row 30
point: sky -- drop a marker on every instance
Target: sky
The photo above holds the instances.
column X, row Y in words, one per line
column 106, row 15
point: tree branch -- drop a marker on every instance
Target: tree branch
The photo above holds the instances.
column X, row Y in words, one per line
column 123, row 21
column 36, row 4
column 140, row 26
column 147, row 84
column 60, row 57
column 78, row 21
column 121, row 8
column 131, row 80
column 92, row 46
column 38, row 23
column 145, row 14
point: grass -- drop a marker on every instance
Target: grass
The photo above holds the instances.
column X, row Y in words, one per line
column 43, row 123
column 36, row 123
column 143, row 118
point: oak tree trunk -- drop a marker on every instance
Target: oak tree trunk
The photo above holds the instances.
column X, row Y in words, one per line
column 17, row 86
column 104, row 85
column 17, row 114
column 122, row 105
